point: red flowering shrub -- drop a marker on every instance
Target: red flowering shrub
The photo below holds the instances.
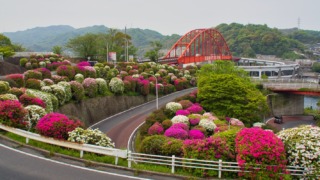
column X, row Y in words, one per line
column 67, row 71
column 156, row 128
column 194, row 119
column 181, row 125
column 56, row 125
column 168, row 88
column 33, row 84
column 83, row 63
column 212, row 148
column 180, row 84
column 46, row 73
column 12, row 113
column 26, row 100
column 259, row 148
column 196, row 134
column 144, row 87
column 17, row 78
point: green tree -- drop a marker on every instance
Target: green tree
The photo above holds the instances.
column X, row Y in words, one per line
column 85, row 46
column 316, row 67
column 57, row 49
column 6, row 47
column 153, row 54
column 227, row 91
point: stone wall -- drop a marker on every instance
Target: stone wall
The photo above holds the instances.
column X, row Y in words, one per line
column 93, row 110
column 286, row 104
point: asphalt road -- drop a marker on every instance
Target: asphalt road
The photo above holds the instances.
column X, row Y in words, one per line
column 120, row 126
column 15, row 164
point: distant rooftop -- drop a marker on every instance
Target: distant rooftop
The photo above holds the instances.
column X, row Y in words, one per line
column 28, row 54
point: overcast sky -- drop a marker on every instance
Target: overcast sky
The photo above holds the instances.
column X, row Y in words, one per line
column 165, row 16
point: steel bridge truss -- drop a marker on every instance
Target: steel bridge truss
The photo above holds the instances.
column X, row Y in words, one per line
column 198, row 45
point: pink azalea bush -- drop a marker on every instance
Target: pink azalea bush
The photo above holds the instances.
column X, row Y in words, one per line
column 181, row 126
column 212, row 148
column 90, row 86
column 46, row 73
column 56, row 125
column 66, row 71
column 195, row 108
column 156, row 128
column 196, row 134
column 12, row 113
column 194, row 119
column 236, row 122
column 260, row 148
column 83, row 63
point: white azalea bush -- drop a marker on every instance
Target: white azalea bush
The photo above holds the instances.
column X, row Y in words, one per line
column 180, row 119
column 79, row 78
column 67, row 89
column 208, row 124
column 303, row 147
column 173, row 106
column 35, row 112
column 102, row 86
column 46, row 97
column 90, row 136
column 8, row 97
column 59, row 92
column 116, row 85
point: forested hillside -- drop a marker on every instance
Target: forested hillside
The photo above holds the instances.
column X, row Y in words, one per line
column 250, row 40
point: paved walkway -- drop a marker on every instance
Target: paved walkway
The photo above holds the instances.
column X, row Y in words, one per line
column 292, row 121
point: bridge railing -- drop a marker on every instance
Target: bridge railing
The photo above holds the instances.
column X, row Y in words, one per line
column 289, row 84
column 285, row 80
column 81, row 147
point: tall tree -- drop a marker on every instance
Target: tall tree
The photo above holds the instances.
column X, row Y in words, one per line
column 154, row 53
column 57, row 49
column 6, row 48
column 227, row 91
column 85, row 46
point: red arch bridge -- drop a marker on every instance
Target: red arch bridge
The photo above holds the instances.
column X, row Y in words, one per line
column 197, row 46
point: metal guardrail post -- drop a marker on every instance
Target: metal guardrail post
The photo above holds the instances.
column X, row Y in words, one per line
column 116, row 161
column 81, row 154
column 129, row 159
column 172, row 166
column 27, row 140
column 220, row 168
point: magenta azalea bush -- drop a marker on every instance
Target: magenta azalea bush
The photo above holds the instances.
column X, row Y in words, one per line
column 56, row 125
column 156, row 128
column 256, row 147
column 17, row 78
column 27, row 100
column 181, row 126
column 177, row 133
column 182, row 112
column 196, row 134
column 12, row 113
column 194, row 119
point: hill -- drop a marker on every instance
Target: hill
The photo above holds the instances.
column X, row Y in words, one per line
column 250, row 40
column 44, row 38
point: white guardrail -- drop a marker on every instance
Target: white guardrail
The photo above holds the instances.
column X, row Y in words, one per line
column 220, row 166
column 81, row 147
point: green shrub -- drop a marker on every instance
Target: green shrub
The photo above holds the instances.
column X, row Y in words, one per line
column 32, row 74
column 8, row 97
column 23, row 62
column 153, row 144
column 79, row 78
column 229, row 136
column 90, row 86
column 33, row 84
column 59, row 92
column 166, row 124
column 4, row 87
column 172, row 146
column 17, row 78
column 17, row 91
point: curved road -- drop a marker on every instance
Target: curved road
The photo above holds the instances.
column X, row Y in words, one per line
column 120, row 126
column 15, row 164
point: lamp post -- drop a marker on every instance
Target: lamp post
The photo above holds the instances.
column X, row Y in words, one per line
column 157, row 99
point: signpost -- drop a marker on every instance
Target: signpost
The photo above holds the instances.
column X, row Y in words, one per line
column 113, row 57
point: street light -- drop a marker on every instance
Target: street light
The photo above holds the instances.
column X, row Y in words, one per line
column 157, row 101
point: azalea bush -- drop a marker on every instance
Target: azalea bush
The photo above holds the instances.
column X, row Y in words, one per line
column 182, row 112
column 180, row 119
column 4, row 87
column 102, row 86
column 47, row 82
column 90, row 86
column 176, row 132
column 212, row 148
column 67, row 89
column 172, row 107
column 194, row 119
column 156, row 128
column 67, row 71
column 196, row 134
column 208, row 124
column 50, row 100
column 17, row 78
column 152, row 144
column 35, row 112
column 33, row 84
column 195, row 108
column 8, row 97
column 46, row 73
column 116, row 85
column 77, row 90
column 261, row 153
column 17, row 91
column 79, row 78
column 12, row 113
column 303, row 147
column 32, row 74
column 90, row 136
column 27, row 99
column 56, row 125
column 59, row 92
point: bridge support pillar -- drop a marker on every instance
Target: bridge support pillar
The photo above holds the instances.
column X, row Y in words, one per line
column 286, row 104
